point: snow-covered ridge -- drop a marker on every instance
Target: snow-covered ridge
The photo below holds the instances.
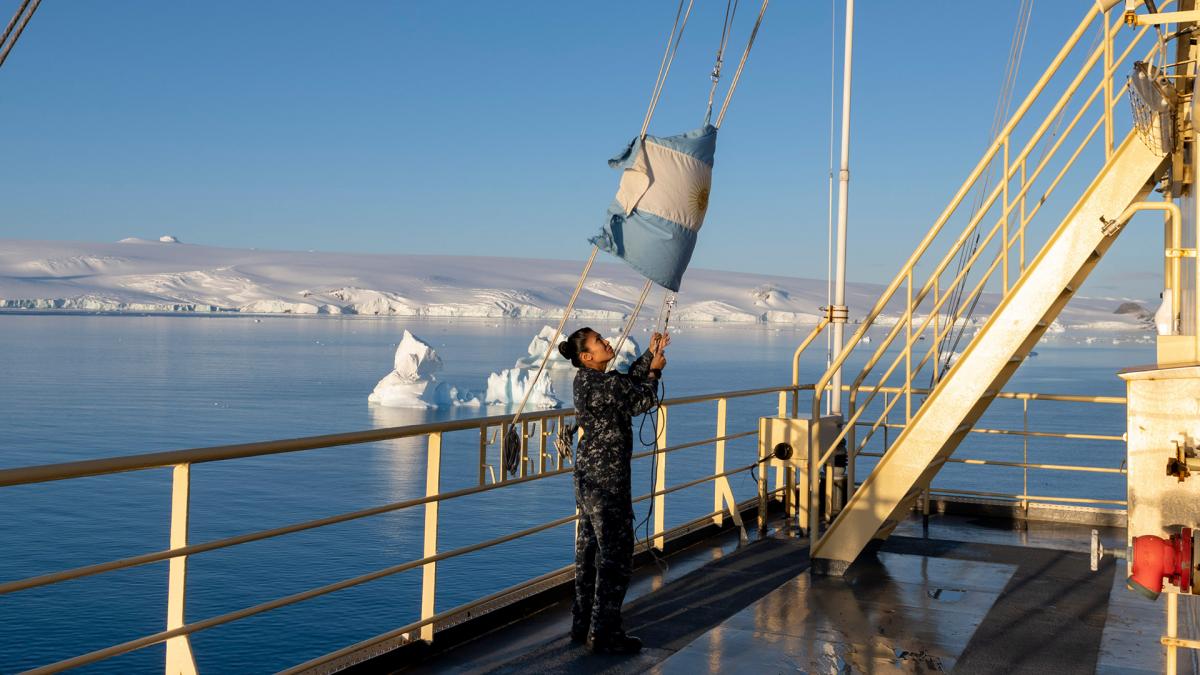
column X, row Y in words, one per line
column 144, row 275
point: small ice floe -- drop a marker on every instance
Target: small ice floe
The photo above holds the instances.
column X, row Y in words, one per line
column 412, row 383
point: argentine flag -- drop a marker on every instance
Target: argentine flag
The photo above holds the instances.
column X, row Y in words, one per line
column 660, row 204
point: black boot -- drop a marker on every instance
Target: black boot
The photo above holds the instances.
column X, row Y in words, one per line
column 619, row 643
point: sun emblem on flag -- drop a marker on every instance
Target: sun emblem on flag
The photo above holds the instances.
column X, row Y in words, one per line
column 699, row 199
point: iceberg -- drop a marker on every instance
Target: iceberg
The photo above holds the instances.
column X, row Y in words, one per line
column 541, row 342
column 537, row 351
column 510, row 385
column 412, row 383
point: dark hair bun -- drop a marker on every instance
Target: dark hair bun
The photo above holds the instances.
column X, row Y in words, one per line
column 567, row 350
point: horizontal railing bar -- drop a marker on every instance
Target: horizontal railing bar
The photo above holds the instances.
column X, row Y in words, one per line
column 417, row 625
column 692, row 444
column 1029, row 498
column 1020, row 465
column 227, row 542
column 700, row 398
column 1018, row 432
column 1018, row 395
column 147, row 558
column 155, row 460
column 692, row 483
column 189, row 629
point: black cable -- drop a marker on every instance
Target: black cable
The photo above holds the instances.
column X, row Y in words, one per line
column 651, row 414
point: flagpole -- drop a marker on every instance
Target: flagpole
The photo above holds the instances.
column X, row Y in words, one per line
column 838, row 312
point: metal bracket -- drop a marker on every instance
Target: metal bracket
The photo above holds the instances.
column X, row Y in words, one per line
column 1132, row 18
column 1109, row 226
column 836, row 313
column 1178, row 465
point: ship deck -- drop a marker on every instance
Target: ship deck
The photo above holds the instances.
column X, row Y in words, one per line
column 971, row 594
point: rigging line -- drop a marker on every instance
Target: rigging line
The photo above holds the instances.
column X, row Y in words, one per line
column 1016, row 46
column 731, row 7
column 637, row 309
column 16, row 35
column 557, row 332
column 999, row 115
column 961, row 331
column 666, row 52
column 13, row 21
column 737, row 75
column 665, row 68
column 955, row 334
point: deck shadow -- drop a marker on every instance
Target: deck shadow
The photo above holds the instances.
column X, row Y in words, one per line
column 673, row 616
column 1048, row 619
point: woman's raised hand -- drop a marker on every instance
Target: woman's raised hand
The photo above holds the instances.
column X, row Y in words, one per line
column 658, row 344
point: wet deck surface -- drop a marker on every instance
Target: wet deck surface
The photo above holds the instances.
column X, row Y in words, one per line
column 948, row 594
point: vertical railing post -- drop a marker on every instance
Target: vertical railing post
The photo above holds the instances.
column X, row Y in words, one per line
column 1004, row 220
column 908, row 348
column 558, row 429
column 504, row 428
column 660, row 479
column 814, row 488
column 483, row 454
column 1172, row 631
column 433, row 475
column 937, row 332
column 542, row 435
column 1021, row 222
column 1108, row 96
column 762, row 479
column 1025, row 469
column 524, row 470
column 179, row 659
column 887, row 413
column 719, row 467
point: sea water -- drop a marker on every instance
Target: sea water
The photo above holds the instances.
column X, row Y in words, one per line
column 76, row 387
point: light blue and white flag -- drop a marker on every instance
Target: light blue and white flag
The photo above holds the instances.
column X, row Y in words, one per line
column 660, row 204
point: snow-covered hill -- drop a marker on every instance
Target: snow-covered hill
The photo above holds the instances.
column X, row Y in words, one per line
column 137, row 275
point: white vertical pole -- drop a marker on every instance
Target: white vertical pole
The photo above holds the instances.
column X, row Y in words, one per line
column 179, row 659
column 433, row 485
column 838, row 312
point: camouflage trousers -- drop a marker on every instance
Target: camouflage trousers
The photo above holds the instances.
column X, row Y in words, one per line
column 603, row 561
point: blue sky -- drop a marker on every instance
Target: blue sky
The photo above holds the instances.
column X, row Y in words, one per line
column 484, row 127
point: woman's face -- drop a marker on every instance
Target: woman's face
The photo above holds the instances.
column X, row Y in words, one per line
column 598, row 349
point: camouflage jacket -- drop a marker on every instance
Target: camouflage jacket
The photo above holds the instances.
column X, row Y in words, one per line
column 605, row 404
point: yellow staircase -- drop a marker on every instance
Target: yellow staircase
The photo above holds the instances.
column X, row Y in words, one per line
column 995, row 353
column 937, row 420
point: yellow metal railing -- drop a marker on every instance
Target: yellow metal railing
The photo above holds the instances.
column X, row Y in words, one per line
column 1025, row 433
column 176, row 635
column 179, row 655
column 927, row 308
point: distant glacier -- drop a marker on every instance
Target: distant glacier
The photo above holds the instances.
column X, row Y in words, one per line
column 140, row 275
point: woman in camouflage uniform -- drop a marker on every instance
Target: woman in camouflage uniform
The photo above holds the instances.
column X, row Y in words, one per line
column 605, row 403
